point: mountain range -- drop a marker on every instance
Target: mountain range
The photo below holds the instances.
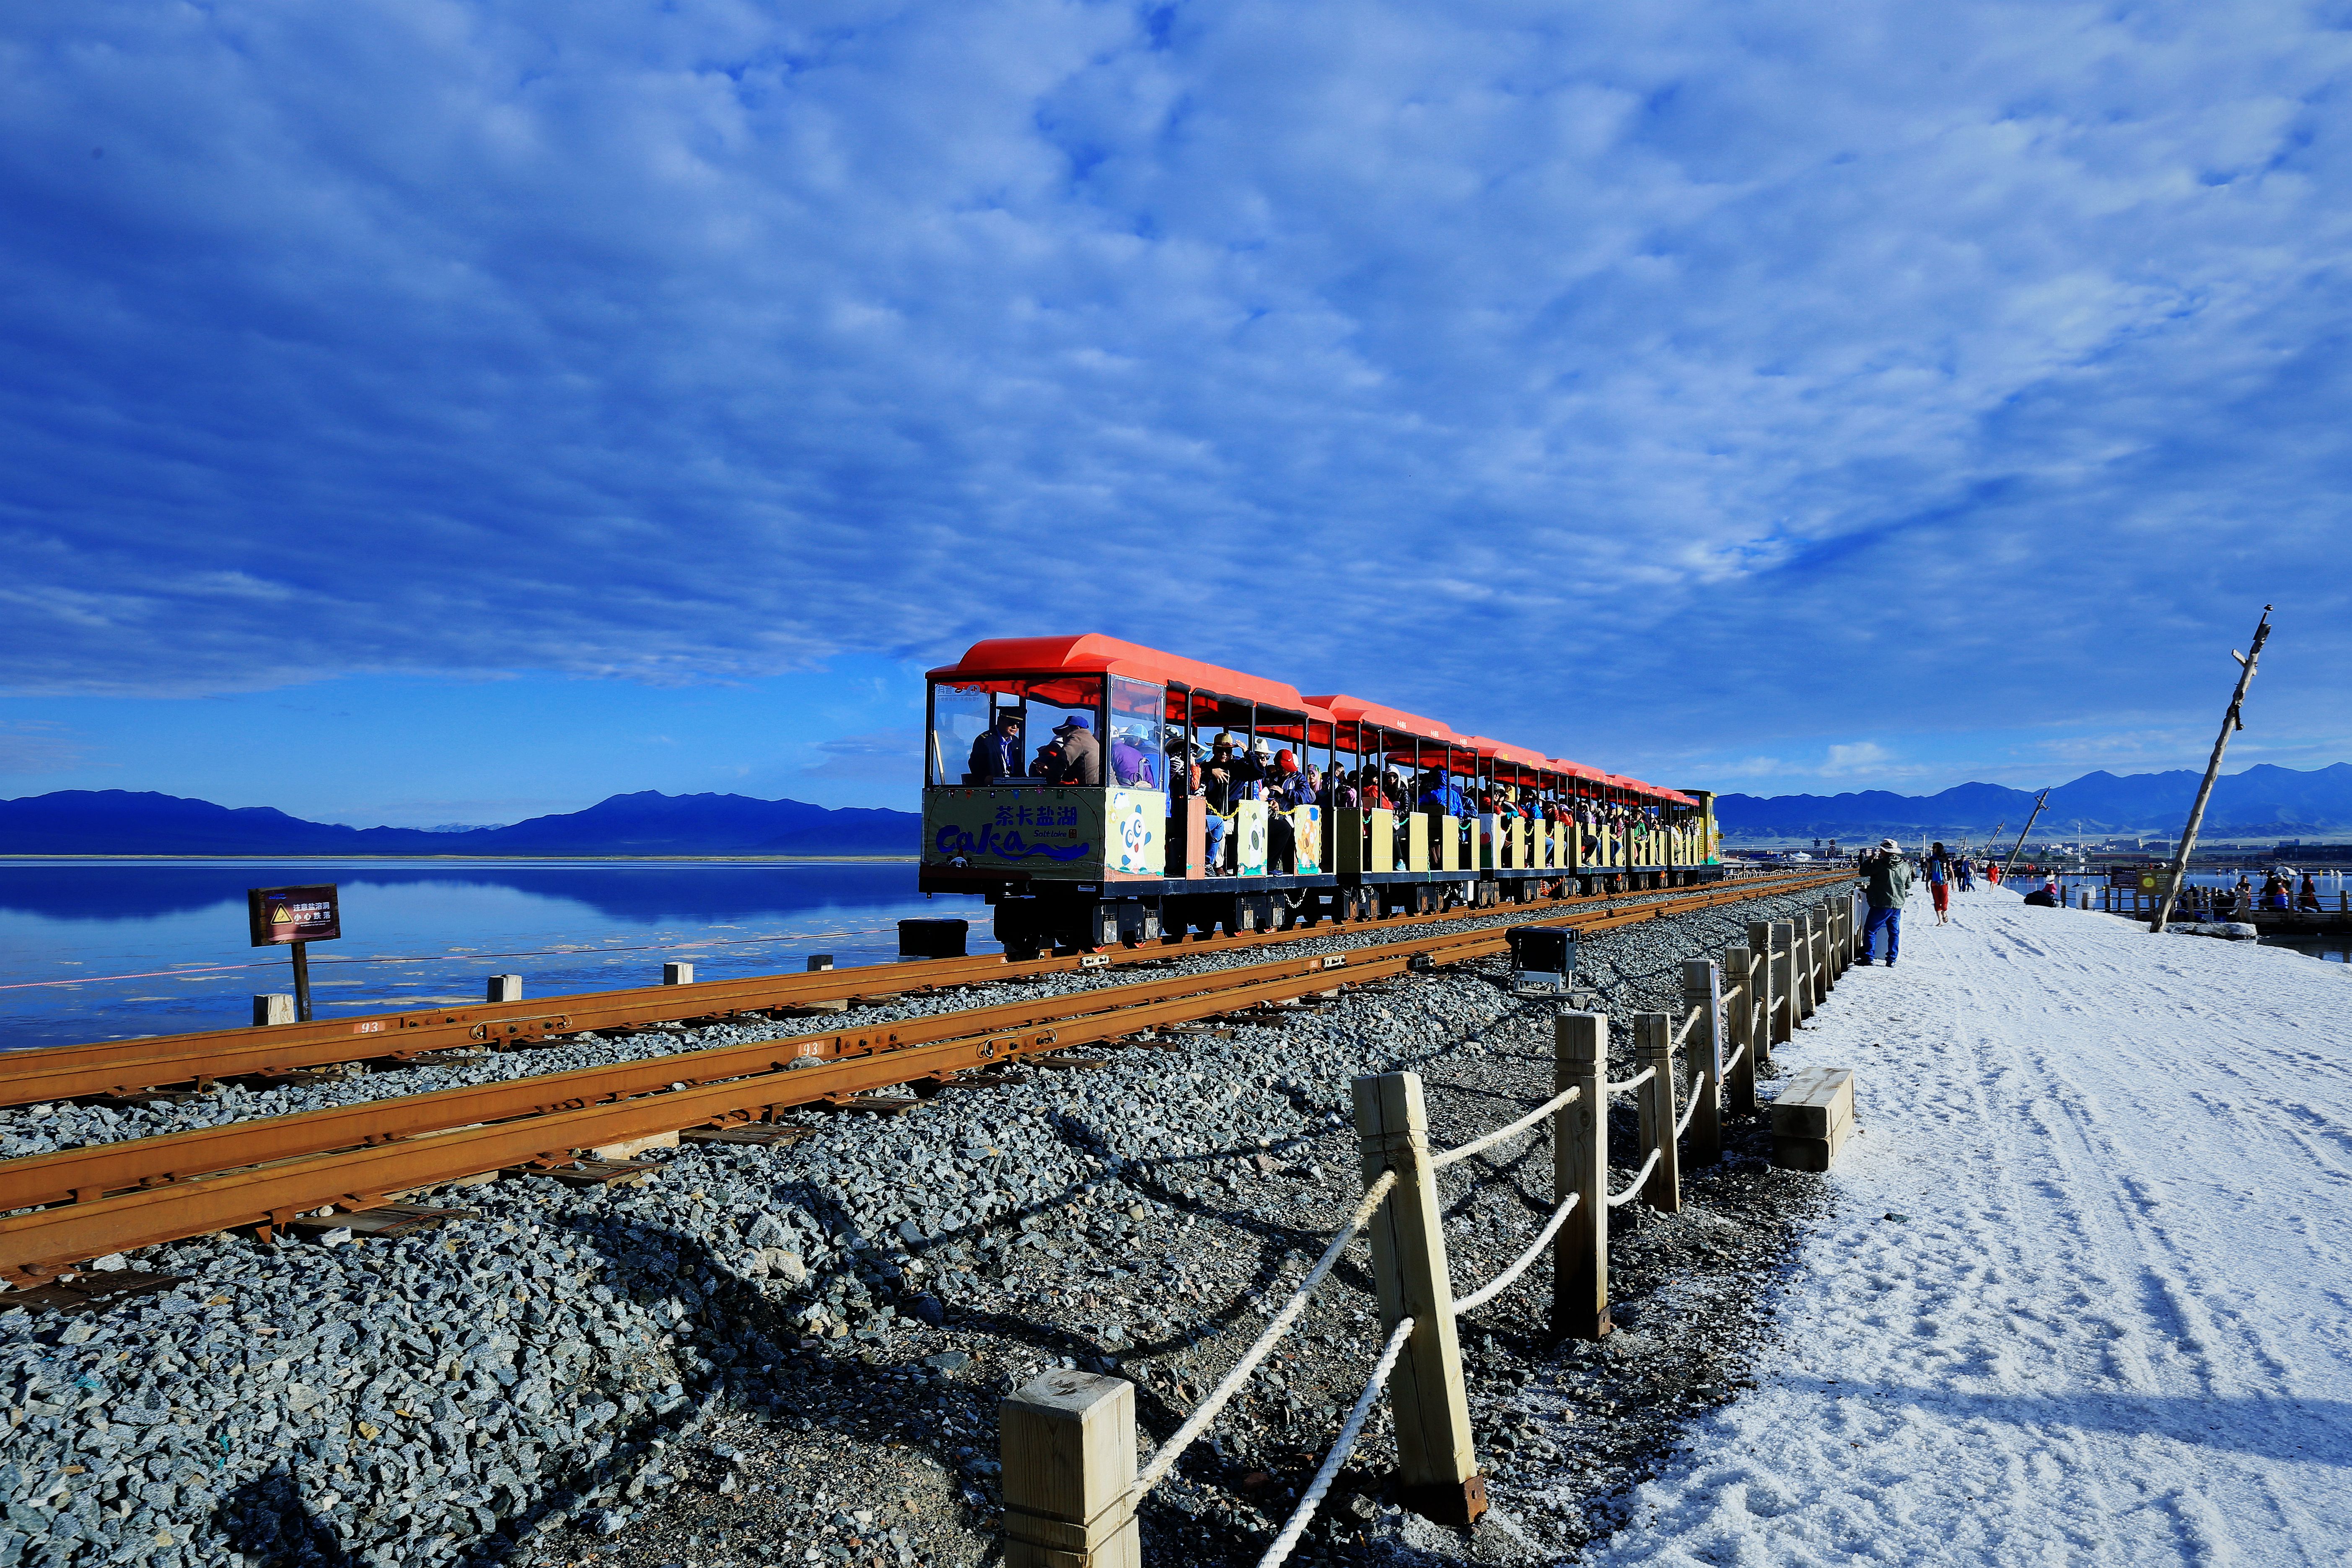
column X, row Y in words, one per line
column 2264, row 801
column 130, row 822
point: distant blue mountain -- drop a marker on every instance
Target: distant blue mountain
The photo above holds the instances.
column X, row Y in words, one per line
column 2263, row 801
column 128, row 822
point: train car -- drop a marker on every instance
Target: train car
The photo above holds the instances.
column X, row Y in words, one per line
column 1176, row 795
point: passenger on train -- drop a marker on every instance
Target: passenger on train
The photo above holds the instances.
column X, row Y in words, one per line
column 996, row 752
column 1440, row 797
column 1047, row 764
column 1283, row 790
column 1130, row 763
column 1189, row 780
column 1081, row 753
column 1224, row 783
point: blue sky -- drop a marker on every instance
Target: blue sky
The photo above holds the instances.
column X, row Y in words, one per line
column 431, row 413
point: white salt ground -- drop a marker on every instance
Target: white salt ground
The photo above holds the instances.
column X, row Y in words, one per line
column 2112, row 1324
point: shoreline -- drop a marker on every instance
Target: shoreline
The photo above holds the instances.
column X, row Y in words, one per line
column 65, row 856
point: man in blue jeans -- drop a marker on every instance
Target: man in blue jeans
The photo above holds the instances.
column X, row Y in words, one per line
column 1886, row 883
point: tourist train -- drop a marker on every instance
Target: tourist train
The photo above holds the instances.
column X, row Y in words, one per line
column 1098, row 792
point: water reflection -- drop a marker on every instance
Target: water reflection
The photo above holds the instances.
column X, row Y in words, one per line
column 644, row 891
column 155, row 946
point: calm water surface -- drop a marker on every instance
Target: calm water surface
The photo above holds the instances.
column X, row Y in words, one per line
column 105, row 949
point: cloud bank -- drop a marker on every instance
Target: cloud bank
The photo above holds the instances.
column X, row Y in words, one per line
column 1654, row 383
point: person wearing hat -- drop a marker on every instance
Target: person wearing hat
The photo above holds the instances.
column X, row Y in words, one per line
column 996, row 751
column 1886, row 883
column 1081, row 753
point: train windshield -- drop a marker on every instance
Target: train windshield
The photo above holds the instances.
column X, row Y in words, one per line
column 972, row 741
column 999, row 731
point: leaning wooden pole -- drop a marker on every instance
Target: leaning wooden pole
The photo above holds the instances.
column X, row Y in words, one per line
column 2231, row 722
column 2010, row 864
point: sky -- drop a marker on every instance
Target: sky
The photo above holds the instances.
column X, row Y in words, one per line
column 435, row 412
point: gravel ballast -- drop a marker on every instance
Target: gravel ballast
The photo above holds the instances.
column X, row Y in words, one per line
column 795, row 1354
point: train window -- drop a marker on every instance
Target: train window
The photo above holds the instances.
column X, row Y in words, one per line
column 1137, row 712
column 959, row 721
column 1058, row 702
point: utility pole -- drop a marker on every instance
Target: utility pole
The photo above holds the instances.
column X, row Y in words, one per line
column 2011, row 863
column 2231, row 722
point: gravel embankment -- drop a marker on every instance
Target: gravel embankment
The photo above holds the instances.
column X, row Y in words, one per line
column 796, row 1355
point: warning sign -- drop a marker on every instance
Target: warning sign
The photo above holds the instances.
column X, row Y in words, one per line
column 283, row 914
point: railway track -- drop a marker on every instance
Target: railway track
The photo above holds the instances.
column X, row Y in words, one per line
column 126, row 1069
column 87, row 1202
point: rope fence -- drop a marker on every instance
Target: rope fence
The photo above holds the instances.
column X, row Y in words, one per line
column 1304, row 1514
column 1504, row 1281
column 1503, row 1135
column 1173, row 1450
column 1641, row 1180
column 1072, row 1486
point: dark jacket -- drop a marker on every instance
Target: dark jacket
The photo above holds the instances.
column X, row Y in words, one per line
column 995, row 757
column 1081, row 758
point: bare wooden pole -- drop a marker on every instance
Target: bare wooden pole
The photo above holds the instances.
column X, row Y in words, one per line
column 2011, row 863
column 2231, row 722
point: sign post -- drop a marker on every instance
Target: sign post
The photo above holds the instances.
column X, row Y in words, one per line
column 294, row 917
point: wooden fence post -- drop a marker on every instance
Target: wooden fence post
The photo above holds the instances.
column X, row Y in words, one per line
column 1759, row 993
column 1067, row 1443
column 1437, row 1469
column 1702, row 990
column 1580, row 1163
column 1801, row 969
column 1784, row 980
column 1739, row 1018
column 1817, row 959
column 1653, row 1046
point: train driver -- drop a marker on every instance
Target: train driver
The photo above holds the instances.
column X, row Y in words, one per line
column 996, row 751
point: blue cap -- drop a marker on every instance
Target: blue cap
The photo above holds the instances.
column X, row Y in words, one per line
column 1075, row 721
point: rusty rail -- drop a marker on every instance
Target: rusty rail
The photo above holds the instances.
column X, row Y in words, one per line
column 263, row 1173
column 129, row 1066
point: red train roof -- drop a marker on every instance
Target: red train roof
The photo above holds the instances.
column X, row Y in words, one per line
column 1000, row 659
column 1091, row 653
column 1356, row 710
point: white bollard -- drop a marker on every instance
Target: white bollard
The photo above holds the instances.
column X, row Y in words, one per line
column 505, row 988
column 677, row 973
column 275, row 1008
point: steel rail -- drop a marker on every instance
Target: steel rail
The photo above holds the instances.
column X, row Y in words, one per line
column 36, row 1244
column 97, row 1169
column 269, row 1178
column 128, row 1066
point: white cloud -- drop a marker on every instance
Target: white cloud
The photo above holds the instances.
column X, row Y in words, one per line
column 1976, row 360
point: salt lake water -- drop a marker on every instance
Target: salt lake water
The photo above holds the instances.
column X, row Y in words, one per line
column 101, row 950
